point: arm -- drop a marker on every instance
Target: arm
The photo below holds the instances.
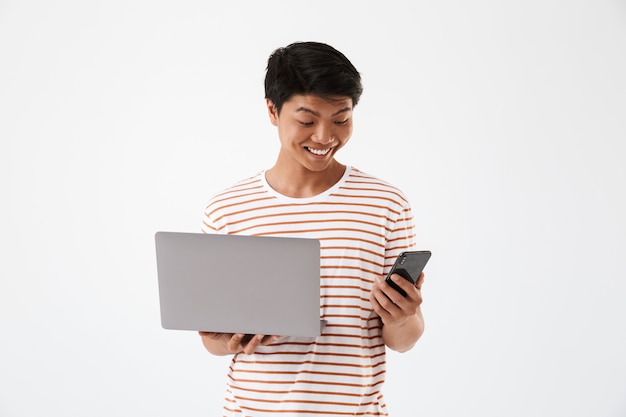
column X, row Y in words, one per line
column 403, row 323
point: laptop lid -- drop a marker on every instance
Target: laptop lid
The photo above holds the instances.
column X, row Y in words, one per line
column 239, row 284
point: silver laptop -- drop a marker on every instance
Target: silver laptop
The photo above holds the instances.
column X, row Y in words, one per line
column 239, row 284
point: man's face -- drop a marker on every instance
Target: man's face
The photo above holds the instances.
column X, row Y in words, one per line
column 312, row 130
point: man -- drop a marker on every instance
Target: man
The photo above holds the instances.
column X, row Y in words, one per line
column 362, row 223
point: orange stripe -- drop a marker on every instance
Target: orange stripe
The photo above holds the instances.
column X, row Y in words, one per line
column 352, row 258
column 311, row 382
column 353, row 297
column 327, row 354
column 335, row 403
column 392, row 191
column 368, row 197
column 290, row 223
column 238, row 193
column 342, row 374
column 349, row 268
column 351, row 277
column 323, row 203
column 343, row 248
column 348, row 287
column 306, row 213
column 357, row 307
column 294, row 232
column 326, row 413
column 303, row 391
column 352, row 239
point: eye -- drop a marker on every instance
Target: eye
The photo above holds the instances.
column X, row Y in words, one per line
column 341, row 122
column 306, row 124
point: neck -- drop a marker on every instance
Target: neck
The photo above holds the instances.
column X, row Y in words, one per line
column 302, row 183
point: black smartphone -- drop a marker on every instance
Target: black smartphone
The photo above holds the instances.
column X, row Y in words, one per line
column 408, row 265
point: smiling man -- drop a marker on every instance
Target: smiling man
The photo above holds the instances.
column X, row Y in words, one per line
column 311, row 131
column 362, row 223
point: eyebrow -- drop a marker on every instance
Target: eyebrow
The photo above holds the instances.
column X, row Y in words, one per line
column 307, row 110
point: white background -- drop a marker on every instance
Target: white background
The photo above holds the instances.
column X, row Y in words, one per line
column 503, row 121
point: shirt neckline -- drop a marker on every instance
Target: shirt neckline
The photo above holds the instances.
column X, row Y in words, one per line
column 304, row 200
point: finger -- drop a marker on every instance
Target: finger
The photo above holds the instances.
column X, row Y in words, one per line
column 378, row 309
column 375, row 305
column 268, row 340
column 252, row 344
column 385, row 308
column 385, row 298
column 420, row 281
column 403, row 284
column 234, row 344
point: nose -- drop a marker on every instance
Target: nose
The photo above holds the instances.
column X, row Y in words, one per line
column 323, row 134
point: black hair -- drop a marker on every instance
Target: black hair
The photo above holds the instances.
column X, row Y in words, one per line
column 310, row 68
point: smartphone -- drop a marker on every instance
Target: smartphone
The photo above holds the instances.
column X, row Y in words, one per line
column 408, row 265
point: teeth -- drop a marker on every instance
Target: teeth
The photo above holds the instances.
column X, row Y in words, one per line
column 318, row 151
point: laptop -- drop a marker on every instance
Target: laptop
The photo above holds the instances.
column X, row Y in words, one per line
column 239, row 284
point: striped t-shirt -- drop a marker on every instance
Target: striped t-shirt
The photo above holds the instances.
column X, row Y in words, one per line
column 362, row 224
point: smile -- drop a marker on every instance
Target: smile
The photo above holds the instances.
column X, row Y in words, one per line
column 319, row 152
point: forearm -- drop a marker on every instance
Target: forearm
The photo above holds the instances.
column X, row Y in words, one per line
column 402, row 336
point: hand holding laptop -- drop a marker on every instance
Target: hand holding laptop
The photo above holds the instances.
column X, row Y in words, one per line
column 229, row 343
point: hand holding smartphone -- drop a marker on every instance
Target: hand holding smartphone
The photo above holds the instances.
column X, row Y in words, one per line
column 408, row 265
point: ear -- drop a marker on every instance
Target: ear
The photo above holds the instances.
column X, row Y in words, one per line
column 272, row 111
